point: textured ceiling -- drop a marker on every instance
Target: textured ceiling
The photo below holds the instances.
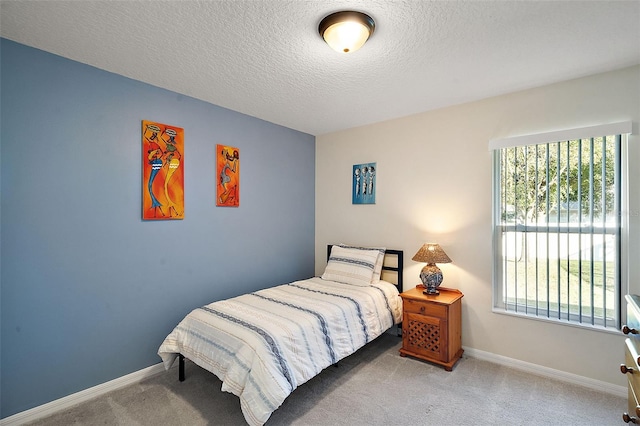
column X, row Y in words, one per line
column 266, row 59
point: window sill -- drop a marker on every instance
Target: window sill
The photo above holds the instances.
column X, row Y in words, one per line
column 582, row 326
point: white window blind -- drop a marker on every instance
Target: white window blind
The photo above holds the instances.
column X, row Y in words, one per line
column 557, row 224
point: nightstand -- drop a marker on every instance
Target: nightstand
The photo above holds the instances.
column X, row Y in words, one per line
column 431, row 326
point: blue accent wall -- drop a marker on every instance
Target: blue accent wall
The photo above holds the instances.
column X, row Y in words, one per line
column 88, row 289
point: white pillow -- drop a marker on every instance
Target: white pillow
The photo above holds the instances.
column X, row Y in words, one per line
column 377, row 270
column 351, row 266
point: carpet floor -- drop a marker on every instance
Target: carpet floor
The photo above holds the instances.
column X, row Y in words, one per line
column 374, row 386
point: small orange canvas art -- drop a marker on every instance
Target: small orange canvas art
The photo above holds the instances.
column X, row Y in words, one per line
column 228, row 172
column 163, row 171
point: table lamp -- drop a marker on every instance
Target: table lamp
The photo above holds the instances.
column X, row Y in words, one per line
column 431, row 275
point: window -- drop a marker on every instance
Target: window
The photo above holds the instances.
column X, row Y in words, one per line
column 558, row 225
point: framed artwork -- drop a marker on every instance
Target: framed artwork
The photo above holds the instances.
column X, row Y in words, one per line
column 364, row 184
column 228, row 172
column 162, row 171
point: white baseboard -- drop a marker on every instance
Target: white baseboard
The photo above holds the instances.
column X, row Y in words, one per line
column 539, row 370
column 49, row 408
column 137, row 376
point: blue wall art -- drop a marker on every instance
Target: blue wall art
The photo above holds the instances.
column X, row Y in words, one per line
column 364, row 184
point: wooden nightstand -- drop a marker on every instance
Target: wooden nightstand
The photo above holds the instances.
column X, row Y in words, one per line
column 431, row 326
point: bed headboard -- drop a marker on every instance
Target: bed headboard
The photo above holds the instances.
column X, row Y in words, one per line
column 391, row 268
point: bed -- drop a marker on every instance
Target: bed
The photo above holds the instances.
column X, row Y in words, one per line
column 265, row 344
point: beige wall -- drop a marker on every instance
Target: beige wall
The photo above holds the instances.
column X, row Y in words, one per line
column 434, row 184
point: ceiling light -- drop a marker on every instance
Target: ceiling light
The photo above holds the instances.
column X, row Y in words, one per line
column 346, row 31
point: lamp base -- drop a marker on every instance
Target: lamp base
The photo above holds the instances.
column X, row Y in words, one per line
column 431, row 277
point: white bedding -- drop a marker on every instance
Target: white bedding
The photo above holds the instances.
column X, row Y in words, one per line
column 265, row 344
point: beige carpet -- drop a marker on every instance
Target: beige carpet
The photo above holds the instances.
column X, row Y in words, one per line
column 375, row 386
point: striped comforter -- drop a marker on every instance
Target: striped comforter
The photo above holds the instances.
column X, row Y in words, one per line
column 265, row 344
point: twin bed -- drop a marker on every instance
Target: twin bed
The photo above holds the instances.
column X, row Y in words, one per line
column 265, row 344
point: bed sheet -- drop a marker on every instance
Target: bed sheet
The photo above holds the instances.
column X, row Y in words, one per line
column 264, row 344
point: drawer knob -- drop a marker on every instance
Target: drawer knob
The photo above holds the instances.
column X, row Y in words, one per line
column 627, row 330
column 628, row 419
column 624, row 369
column 422, row 309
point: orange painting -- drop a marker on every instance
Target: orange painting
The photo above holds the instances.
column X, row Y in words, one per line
column 163, row 171
column 228, row 172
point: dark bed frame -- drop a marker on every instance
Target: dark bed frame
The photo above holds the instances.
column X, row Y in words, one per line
column 397, row 269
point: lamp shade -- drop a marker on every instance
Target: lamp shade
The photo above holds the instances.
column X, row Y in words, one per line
column 346, row 31
column 431, row 253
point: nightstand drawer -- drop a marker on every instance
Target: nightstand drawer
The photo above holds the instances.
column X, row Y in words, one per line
column 420, row 307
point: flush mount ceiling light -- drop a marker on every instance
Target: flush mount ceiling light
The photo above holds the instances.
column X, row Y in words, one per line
column 346, row 31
